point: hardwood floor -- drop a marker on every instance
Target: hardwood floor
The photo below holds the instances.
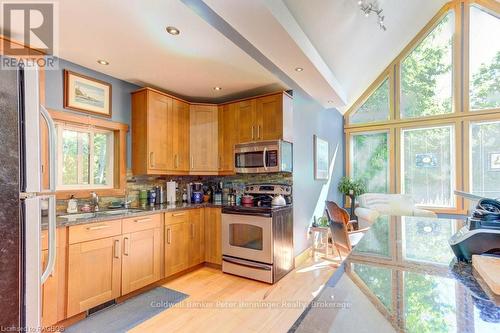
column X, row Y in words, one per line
column 224, row 303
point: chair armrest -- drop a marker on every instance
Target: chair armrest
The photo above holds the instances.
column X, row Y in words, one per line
column 423, row 213
column 359, row 231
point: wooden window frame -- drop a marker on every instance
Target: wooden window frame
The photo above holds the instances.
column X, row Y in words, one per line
column 119, row 153
column 461, row 116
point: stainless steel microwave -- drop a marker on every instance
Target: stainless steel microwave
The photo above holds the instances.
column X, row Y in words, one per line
column 263, row 157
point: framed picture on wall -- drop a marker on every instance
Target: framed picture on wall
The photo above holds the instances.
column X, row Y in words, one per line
column 321, row 156
column 86, row 94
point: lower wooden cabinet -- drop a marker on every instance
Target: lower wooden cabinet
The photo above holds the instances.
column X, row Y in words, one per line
column 176, row 247
column 49, row 294
column 94, row 273
column 213, row 235
column 196, row 237
column 141, row 261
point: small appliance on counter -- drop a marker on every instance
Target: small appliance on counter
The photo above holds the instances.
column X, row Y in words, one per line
column 159, row 195
column 196, row 193
column 171, row 192
column 481, row 235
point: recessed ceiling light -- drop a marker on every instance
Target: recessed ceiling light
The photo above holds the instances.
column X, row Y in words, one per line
column 330, row 102
column 173, row 30
column 102, row 62
column 217, row 88
column 299, row 69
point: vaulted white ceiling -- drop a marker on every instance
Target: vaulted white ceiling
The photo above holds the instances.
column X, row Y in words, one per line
column 352, row 45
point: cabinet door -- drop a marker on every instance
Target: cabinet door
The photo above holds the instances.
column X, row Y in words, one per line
column 228, row 137
column 203, row 138
column 94, row 273
column 181, row 136
column 160, row 132
column 176, row 248
column 141, row 259
column 270, row 117
column 196, row 237
column 213, row 236
column 49, row 294
column 246, row 115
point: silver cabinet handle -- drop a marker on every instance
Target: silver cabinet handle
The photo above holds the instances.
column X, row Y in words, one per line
column 178, row 214
column 52, row 147
column 142, row 220
column 258, row 131
column 176, row 161
column 253, row 130
column 116, row 248
column 98, row 227
column 192, row 231
column 126, row 246
column 51, row 262
column 192, row 162
column 168, row 235
column 151, row 159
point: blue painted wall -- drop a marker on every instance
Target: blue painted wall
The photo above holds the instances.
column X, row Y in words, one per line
column 310, row 119
column 121, row 102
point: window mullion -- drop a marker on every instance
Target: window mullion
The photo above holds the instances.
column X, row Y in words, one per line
column 91, row 157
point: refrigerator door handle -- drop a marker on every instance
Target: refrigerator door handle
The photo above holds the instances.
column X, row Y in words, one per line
column 52, row 148
column 51, row 240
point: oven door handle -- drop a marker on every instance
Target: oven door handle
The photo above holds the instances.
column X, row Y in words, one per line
column 245, row 263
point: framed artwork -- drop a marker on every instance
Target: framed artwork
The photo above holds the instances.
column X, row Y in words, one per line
column 494, row 162
column 86, row 94
column 321, row 156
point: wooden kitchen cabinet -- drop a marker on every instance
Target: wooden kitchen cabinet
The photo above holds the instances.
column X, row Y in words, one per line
column 228, row 137
column 49, row 294
column 247, row 115
column 94, row 273
column 181, row 137
column 204, row 139
column 177, row 234
column 265, row 118
column 152, row 125
column 196, row 237
column 142, row 252
column 213, row 235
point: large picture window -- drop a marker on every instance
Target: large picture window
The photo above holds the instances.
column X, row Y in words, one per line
column 442, row 95
column 426, row 74
column 370, row 160
column 427, row 164
column 85, row 157
column 484, row 59
column 484, row 157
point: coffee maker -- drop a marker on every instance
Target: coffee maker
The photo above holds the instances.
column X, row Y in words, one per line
column 196, row 192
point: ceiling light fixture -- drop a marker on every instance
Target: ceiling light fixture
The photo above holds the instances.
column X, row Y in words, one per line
column 217, row 88
column 173, row 30
column 102, row 62
column 299, row 69
column 368, row 7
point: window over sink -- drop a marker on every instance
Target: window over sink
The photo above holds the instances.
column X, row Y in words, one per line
column 84, row 157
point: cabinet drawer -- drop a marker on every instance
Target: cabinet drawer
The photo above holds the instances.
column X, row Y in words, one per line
column 139, row 223
column 91, row 231
column 179, row 216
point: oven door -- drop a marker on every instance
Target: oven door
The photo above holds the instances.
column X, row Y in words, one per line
column 257, row 158
column 247, row 237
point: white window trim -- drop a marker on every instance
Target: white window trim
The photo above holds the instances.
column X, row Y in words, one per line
column 110, row 165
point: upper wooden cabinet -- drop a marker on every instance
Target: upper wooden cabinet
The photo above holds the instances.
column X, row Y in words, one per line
column 265, row 118
column 228, row 137
column 181, row 137
column 160, row 131
column 204, row 139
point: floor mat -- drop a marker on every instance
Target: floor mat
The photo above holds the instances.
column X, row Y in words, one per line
column 124, row 316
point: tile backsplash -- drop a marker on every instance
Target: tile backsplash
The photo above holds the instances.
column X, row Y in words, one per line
column 137, row 183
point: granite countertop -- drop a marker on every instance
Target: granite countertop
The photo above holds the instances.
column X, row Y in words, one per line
column 403, row 277
column 102, row 216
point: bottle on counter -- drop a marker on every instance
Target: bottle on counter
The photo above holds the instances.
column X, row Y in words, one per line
column 72, row 205
column 143, row 198
column 184, row 196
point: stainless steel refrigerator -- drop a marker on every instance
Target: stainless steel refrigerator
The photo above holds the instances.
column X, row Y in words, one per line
column 24, row 204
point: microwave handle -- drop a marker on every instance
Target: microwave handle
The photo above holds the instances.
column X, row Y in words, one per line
column 264, row 153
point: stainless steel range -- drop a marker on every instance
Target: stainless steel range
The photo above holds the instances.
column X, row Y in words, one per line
column 257, row 240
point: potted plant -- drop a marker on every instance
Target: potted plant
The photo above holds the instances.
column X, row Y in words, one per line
column 351, row 188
